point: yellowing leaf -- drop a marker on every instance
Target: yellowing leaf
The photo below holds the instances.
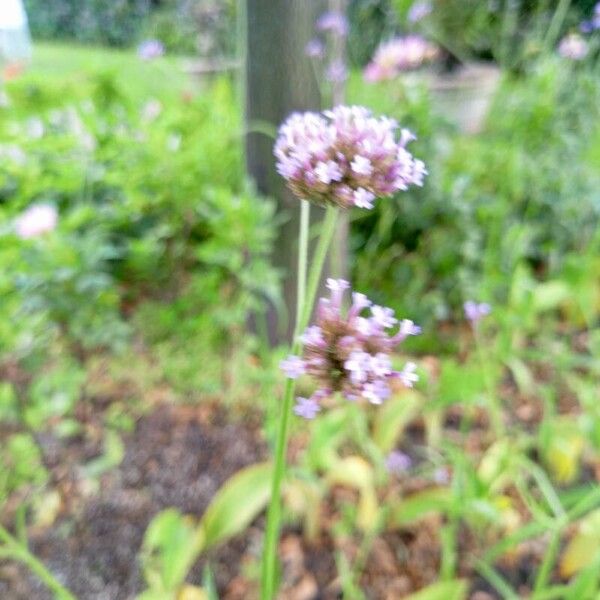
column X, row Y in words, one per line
column 356, row 472
column 352, row 471
column 191, row 592
column 584, row 548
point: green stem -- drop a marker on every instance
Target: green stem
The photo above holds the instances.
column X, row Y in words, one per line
column 22, row 554
column 548, row 562
column 302, row 262
column 556, row 24
column 493, row 401
column 304, row 307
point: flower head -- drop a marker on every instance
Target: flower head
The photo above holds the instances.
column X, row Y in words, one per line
column 398, row 462
column 150, row 49
column 474, row 311
column 573, row 47
column 333, row 21
column 36, row 220
column 349, row 352
column 397, row 55
column 345, row 156
column 594, row 23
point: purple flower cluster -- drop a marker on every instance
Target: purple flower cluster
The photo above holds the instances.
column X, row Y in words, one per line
column 594, row 23
column 474, row 311
column 150, row 49
column 398, row 463
column 573, row 47
column 397, row 55
column 418, row 11
column 345, row 156
column 335, row 22
column 350, row 352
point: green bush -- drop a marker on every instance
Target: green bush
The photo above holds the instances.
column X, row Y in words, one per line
column 114, row 23
column 524, row 189
column 154, row 216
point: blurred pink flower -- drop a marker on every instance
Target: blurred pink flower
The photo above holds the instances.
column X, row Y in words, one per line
column 397, row 55
column 36, row 220
column 346, row 156
column 573, row 47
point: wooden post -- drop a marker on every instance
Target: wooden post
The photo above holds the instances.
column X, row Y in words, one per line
column 279, row 80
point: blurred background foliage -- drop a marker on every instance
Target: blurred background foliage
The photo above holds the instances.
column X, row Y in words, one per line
column 161, row 256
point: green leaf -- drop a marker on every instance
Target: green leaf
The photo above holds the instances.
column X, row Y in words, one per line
column 392, row 418
column 445, row 590
column 327, row 434
column 236, row 504
column 415, row 507
column 171, row 545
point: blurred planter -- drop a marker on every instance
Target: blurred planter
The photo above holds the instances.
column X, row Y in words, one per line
column 464, row 96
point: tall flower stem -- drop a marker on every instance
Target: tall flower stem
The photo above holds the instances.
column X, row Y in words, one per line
column 307, row 292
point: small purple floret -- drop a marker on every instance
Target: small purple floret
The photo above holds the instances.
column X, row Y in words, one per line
column 306, row 408
column 150, row 49
column 398, row 462
column 293, row 367
column 333, row 21
column 474, row 311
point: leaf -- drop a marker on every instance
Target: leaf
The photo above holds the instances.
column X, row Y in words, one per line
column 236, row 504
column 455, row 589
column 584, row 547
column 562, row 449
column 171, row 545
column 114, row 451
column 412, row 509
column 550, row 295
column 191, row 592
column 356, row 472
column 494, row 466
column 327, row 434
column 392, row 418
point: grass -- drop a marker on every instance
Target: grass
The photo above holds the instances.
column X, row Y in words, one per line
column 59, row 63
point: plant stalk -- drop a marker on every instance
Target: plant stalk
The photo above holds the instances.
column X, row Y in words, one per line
column 19, row 552
column 307, row 292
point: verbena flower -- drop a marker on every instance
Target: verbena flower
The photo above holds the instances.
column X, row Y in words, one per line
column 150, row 49
column 315, row 49
column 397, row 55
column 36, row 220
column 292, row 366
column 397, row 462
column 418, row 11
column 306, row 408
column 345, row 156
column 335, row 22
column 474, row 311
column 349, row 352
column 594, row 23
column 336, row 72
column 573, row 47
